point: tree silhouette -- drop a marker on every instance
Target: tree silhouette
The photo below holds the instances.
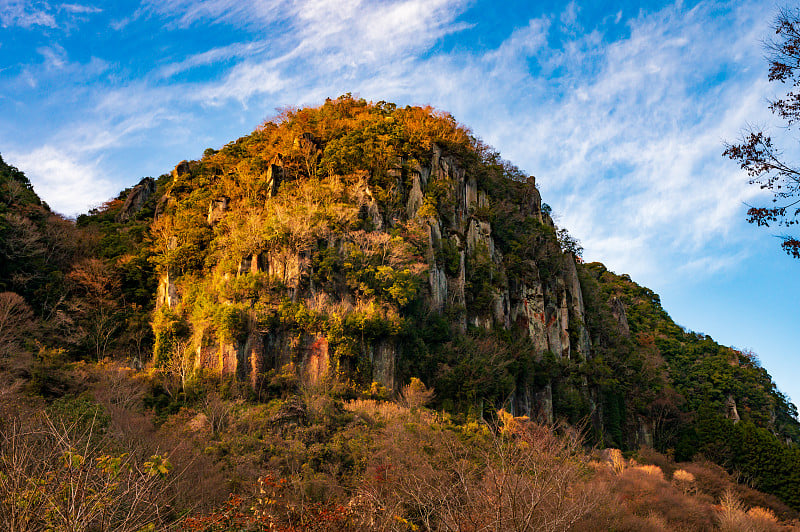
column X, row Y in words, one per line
column 765, row 163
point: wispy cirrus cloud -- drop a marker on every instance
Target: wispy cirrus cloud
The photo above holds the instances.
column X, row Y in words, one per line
column 30, row 14
column 78, row 8
column 625, row 135
column 248, row 14
column 620, row 113
column 26, row 14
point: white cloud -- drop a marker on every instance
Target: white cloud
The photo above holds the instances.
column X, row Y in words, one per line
column 25, row 14
column 215, row 55
column 243, row 82
column 65, row 181
column 626, row 139
column 78, row 8
column 188, row 12
column 28, row 14
column 55, row 57
column 317, row 40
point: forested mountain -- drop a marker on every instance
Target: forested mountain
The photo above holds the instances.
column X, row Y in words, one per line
column 361, row 252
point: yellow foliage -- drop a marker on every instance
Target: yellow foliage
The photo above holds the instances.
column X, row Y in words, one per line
column 652, row 470
column 762, row 514
column 617, row 461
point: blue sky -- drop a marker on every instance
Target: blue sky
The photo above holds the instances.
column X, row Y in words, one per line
column 619, row 109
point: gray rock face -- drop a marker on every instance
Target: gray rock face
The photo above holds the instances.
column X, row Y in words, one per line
column 167, row 292
column 163, row 204
column 618, row 311
column 274, row 178
column 644, row 432
column 731, row 412
column 532, row 200
column 136, row 199
column 217, row 209
column 180, row 170
column 383, row 357
column 548, row 307
column 577, row 311
column 368, row 205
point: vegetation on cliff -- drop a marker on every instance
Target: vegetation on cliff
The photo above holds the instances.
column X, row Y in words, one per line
column 281, row 302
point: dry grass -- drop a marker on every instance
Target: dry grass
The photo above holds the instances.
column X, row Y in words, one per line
column 376, row 409
column 762, row 514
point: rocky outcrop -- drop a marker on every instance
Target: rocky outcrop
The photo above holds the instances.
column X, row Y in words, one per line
column 167, row 292
column 163, row 204
column 618, row 311
column 383, row 357
column 167, row 200
column 181, row 169
column 136, row 199
column 368, row 206
column 731, row 412
column 273, row 178
column 452, row 210
column 577, row 311
column 217, row 209
column 644, row 432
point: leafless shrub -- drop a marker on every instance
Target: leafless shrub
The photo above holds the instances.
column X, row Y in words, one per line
column 733, row 517
column 16, row 319
column 684, row 481
column 617, row 461
column 370, row 408
column 218, row 411
column 431, row 476
column 56, row 477
column 652, row 470
column 712, row 480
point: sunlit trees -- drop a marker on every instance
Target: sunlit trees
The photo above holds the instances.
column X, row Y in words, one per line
column 757, row 153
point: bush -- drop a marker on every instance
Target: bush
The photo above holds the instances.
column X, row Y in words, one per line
column 57, row 476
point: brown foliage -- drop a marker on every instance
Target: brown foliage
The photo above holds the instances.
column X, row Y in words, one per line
column 445, row 481
column 415, row 394
column 95, row 303
column 16, row 321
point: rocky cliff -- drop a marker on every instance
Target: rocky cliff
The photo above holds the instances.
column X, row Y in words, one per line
column 365, row 244
column 414, row 239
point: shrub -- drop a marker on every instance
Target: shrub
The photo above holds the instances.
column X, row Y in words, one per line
column 415, row 394
column 57, row 476
column 683, row 480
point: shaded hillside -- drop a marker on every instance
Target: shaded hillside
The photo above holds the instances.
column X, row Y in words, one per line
column 693, row 395
column 36, row 245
